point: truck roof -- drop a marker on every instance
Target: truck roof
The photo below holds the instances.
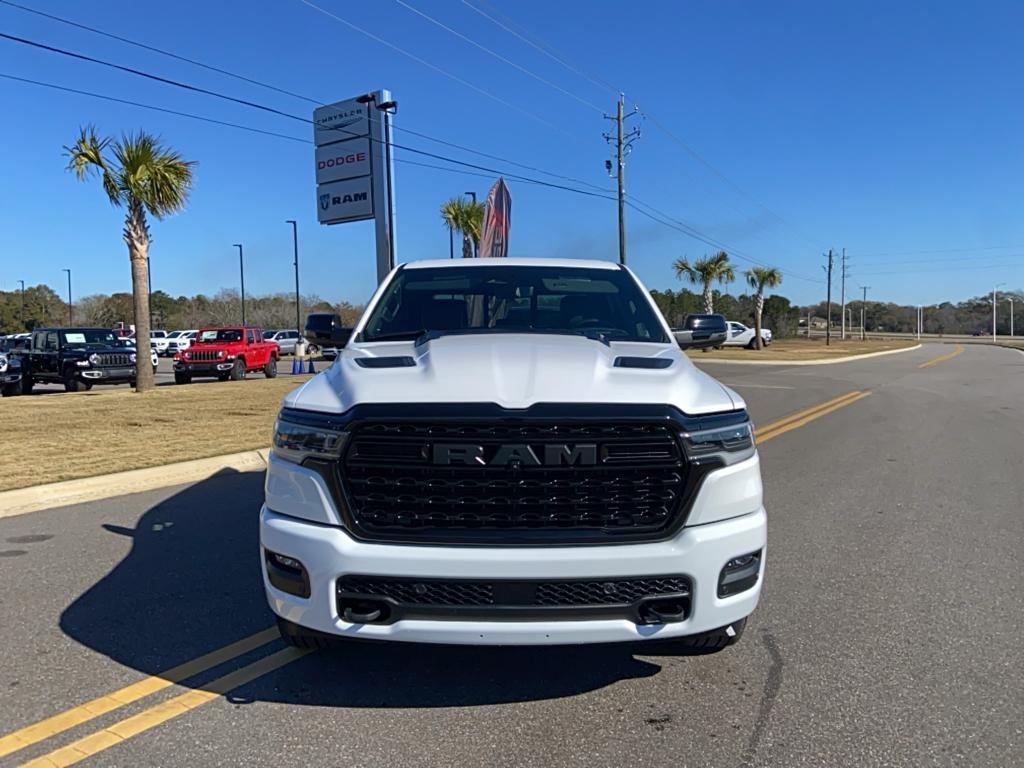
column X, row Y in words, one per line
column 513, row 262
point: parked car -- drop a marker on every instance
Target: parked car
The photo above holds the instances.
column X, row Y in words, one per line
column 76, row 358
column 742, row 336
column 554, row 471
column 158, row 341
column 226, row 353
column 326, row 334
column 179, row 341
column 10, row 374
column 129, row 343
column 15, row 342
column 286, row 340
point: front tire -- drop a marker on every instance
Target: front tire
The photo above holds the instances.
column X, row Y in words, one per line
column 26, row 385
column 270, row 369
column 182, row 378
column 10, row 390
column 71, row 384
column 238, row 370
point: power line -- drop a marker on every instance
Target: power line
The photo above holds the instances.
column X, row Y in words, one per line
column 940, row 250
column 544, row 49
column 253, row 81
column 434, row 67
column 498, row 56
column 152, row 107
column 161, row 51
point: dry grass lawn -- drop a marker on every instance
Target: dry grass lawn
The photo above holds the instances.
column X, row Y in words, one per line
column 802, row 349
column 63, row 436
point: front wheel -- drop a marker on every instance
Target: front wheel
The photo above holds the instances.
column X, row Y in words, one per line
column 270, row 369
column 238, row 370
column 10, row 390
column 182, row 378
column 752, row 344
column 72, row 384
column 26, row 385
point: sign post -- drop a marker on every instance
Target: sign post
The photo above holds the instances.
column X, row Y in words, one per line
column 354, row 169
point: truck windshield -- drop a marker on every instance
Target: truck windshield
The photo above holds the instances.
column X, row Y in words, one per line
column 514, row 299
column 76, row 336
column 220, row 335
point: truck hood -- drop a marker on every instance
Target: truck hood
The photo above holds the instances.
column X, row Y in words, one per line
column 513, row 371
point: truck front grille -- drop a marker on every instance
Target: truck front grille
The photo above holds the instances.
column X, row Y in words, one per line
column 202, row 356
column 115, row 359
column 557, row 481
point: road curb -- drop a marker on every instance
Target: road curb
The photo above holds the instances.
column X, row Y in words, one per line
column 821, row 361
column 39, row 497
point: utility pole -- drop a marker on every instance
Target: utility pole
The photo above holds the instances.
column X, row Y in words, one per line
column 295, row 246
column 1010, row 299
column 842, row 320
column 241, row 270
column 22, row 304
column 863, row 307
column 623, row 146
column 71, row 315
column 828, row 303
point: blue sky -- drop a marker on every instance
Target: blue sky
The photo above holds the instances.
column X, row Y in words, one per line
column 891, row 129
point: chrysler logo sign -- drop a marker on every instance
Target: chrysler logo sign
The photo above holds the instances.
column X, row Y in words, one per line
column 515, row 454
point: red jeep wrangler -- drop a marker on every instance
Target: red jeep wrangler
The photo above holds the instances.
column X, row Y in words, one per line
column 227, row 353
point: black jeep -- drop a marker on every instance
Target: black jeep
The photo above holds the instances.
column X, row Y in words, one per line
column 76, row 358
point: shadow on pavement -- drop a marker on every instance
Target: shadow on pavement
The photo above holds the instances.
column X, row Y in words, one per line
column 192, row 584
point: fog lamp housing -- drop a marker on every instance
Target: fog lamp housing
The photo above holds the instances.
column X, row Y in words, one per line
column 287, row 574
column 739, row 574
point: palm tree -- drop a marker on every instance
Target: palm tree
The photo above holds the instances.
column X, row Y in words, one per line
column 466, row 218
column 760, row 278
column 704, row 272
column 143, row 175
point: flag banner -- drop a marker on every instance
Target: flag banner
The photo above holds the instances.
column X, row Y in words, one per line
column 497, row 220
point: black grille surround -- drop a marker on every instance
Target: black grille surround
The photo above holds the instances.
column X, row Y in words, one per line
column 114, row 359
column 639, row 487
column 506, row 600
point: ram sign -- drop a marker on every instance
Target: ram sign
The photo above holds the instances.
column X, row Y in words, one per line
column 352, row 162
column 344, row 161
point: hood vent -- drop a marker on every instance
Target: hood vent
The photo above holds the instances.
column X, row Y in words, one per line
column 385, row 362
column 643, row 362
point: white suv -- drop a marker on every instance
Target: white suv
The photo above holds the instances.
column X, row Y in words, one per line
column 513, row 451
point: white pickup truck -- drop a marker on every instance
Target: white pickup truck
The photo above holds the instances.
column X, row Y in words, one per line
column 513, row 452
column 742, row 336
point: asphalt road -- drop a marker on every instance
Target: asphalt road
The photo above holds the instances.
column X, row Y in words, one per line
column 889, row 632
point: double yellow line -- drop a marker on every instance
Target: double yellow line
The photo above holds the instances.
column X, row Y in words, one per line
column 105, row 738
column 798, row 419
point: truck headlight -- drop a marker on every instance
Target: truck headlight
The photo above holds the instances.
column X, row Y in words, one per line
column 94, row 359
column 131, row 357
column 729, row 444
column 300, row 436
column 3, row 362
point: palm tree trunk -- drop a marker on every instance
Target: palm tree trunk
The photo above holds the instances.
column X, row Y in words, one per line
column 709, row 302
column 136, row 235
column 758, row 308
column 467, row 247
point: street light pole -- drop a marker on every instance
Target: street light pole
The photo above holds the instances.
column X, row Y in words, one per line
column 863, row 307
column 1010, row 299
column 994, row 311
column 241, row 270
column 71, row 314
column 295, row 245
column 22, row 304
column 475, row 245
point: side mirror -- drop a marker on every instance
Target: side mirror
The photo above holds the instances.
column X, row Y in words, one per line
column 341, row 336
column 701, row 332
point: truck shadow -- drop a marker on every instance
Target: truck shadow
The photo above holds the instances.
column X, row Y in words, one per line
column 192, row 584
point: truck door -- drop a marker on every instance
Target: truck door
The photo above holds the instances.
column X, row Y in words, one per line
column 49, row 354
column 254, row 352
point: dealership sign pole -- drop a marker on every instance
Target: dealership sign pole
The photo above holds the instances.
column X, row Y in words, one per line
column 354, row 169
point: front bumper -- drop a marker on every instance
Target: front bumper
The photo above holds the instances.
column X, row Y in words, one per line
column 698, row 552
column 106, row 375
column 204, row 368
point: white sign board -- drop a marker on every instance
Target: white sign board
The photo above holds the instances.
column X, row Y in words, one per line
column 340, row 121
column 349, row 200
column 343, row 160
